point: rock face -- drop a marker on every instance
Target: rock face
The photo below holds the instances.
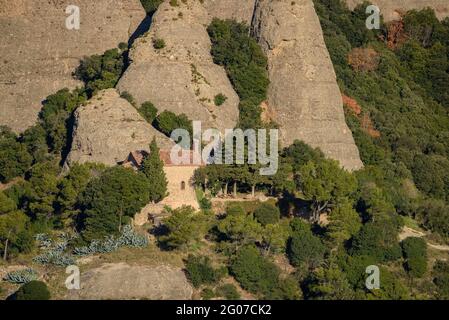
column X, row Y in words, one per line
column 108, row 128
column 38, row 53
column 181, row 77
column 240, row 10
column 304, row 97
column 390, row 9
column 120, row 281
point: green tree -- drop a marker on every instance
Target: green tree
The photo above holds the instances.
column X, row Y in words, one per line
column 153, row 168
column 55, row 115
column 304, row 248
column 44, row 184
column 200, row 271
column 184, row 227
column 325, row 184
column 344, row 223
column 241, row 229
column 12, row 230
column 148, row 111
column 267, row 213
column 14, row 157
column 167, row 121
column 440, row 275
column 415, row 254
column 100, row 72
column 33, row 290
column 329, row 284
column 117, row 193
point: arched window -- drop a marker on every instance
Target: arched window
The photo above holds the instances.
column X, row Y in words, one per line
column 183, row 185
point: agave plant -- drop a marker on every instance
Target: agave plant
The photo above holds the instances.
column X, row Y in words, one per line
column 21, row 276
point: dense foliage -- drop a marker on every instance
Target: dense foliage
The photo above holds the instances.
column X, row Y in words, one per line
column 245, row 64
column 34, row 290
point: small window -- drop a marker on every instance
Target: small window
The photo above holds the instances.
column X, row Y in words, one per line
column 183, row 185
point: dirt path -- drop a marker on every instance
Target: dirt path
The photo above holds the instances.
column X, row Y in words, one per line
column 409, row 232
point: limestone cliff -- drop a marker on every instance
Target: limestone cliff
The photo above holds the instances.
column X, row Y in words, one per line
column 390, row 9
column 38, row 53
column 107, row 128
column 181, row 77
column 303, row 96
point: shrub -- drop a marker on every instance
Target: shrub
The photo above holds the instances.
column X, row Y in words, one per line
column 440, row 273
column 267, row 214
column 151, row 6
column 200, row 271
column 128, row 97
column 415, row 253
column 148, row 111
column 304, row 248
column 254, row 272
column 228, row 291
column 167, row 121
column 34, row 290
column 220, row 99
column 158, row 44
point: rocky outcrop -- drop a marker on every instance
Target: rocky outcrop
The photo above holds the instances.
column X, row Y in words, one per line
column 239, row 10
column 391, row 9
column 181, row 77
column 38, row 53
column 303, row 96
column 108, row 128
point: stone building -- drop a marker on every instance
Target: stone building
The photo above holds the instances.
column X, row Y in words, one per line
column 181, row 191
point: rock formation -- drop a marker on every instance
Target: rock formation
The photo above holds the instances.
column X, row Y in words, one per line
column 38, row 53
column 107, row 128
column 303, row 96
column 391, row 9
column 181, row 77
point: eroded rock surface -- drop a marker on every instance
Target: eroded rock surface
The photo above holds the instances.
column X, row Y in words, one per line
column 303, row 96
column 120, row 281
column 108, row 128
column 39, row 54
column 391, row 9
column 181, row 77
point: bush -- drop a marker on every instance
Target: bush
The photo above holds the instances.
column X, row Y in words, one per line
column 34, row 290
column 167, row 121
column 303, row 247
column 220, row 99
column 267, row 214
column 128, row 97
column 440, row 273
column 415, row 253
column 148, row 111
column 158, row 44
column 151, row 6
column 100, row 72
column 228, row 291
column 254, row 272
column 200, row 271
column 246, row 65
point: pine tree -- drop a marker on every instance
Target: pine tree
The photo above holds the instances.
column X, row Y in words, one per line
column 153, row 168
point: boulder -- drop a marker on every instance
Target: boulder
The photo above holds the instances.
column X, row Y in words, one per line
column 304, row 97
column 107, row 128
column 39, row 54
column 181, row 77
